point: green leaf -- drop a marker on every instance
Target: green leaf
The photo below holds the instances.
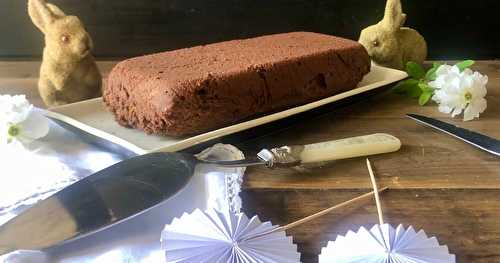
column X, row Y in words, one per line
column 465, row 64
column 424, row 98
column 431, row 73
column 415, row 70
column 425, row 87
column 403, row 86
column 414, row 91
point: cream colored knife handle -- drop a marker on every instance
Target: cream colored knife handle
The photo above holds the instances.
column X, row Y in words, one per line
column 349, row 148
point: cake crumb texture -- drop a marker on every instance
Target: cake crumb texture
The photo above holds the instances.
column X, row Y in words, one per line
column 193, row 90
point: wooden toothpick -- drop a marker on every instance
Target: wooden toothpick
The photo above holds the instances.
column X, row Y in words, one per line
column 324, row 212
column 331, row 209
column 377, row 198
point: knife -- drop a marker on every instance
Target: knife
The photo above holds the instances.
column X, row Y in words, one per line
column 135, row 185
column 481, row 141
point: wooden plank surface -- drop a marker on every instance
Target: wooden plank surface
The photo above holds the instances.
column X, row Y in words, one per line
column 427, row 159
column 468, row 221
column 438, row 183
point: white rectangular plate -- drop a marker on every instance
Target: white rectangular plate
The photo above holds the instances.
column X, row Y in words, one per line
column 92, row 116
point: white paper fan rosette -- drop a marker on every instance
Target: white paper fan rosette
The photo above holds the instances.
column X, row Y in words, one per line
column 225, row 237
column 383, row 243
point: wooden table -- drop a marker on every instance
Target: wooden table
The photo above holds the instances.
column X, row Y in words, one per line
column 437, row 183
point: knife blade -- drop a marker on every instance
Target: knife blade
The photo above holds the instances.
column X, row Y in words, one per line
column 476, row 139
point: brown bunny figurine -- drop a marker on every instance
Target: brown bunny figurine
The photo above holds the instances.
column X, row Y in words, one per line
column 68, row 73
column 389, row 43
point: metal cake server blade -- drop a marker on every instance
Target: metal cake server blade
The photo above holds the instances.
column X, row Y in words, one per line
column 481, row 141
column 98, row 201
column 135, row 185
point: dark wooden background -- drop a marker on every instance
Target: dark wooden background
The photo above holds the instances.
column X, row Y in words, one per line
column 124, row 28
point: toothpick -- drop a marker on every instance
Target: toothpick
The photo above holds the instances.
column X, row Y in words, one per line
column 377, row 198
column 322, row 213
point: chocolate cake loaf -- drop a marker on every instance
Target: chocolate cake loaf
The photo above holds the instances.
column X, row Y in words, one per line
column 197, row 89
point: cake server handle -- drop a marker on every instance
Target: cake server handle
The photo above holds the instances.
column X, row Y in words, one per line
column 346, row 148
column 289, row 156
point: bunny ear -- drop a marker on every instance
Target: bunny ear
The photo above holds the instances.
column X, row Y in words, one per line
column 56, row 11
column 394, row 17
column 41, row 14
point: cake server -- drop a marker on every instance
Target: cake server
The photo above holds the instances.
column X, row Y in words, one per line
column 481, row 141
column 135, row 185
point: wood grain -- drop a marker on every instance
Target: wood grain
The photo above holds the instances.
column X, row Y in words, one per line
column 468, row 221
column 427, row 159
column 438, row 183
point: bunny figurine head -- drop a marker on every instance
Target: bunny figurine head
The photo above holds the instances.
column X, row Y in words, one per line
column 65, row 36
column 389, row 43
column 68, row 73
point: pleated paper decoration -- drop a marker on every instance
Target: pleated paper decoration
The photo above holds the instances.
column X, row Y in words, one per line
column 385, row 244
column 226, row 237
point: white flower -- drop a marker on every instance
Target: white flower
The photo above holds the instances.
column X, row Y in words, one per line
column 457, row 91
column 19, row 122
column 14, row 109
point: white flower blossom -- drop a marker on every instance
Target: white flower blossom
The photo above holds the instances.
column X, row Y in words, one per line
column 458, row 92
column 19, row 122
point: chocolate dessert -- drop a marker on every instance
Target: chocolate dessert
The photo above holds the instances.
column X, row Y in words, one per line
column 198, row 89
